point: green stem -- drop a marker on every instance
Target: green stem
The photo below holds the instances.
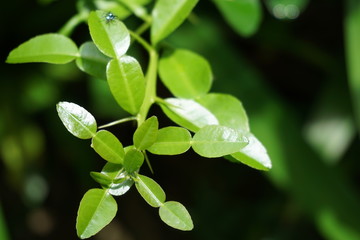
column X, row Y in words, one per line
column 118, row 122
column 74, row 21
column 142, row 41
column 148, row 162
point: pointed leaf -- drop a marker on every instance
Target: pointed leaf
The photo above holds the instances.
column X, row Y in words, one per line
column 188, row 113
column 185, row 73
column 133, row 160
column 77, row 120
column 104, row 180
column 254, row 154
column 244, row 16
column 217, row 141
column 150, row 191
column 92, row 61
column 175, row 215
column 49, row 48
column 108, row 147
column 121, row 183
column 146, row 134
column 167, row 16
column 110, row 36
column 97, row 209
column 127, row 83
column 171, row 141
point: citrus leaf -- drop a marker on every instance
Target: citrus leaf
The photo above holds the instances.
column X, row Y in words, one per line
column 146, row 134
column 97, row 209
column 171, row 141
column 121, row 183
column 77, row 120
column 217, row 141
column 133, row 160
column 175, row 215
column 48, row 48
column 104, row 180
column 108, row 147
column 185, row 73
column 150, row 191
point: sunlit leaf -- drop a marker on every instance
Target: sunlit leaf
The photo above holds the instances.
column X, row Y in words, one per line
column 244, row 16
column 97, row 209
column 49, row 48
column 146, row 134
column 171, row 141
column 167, row 16
column 127, row 83
column 77, row 120
column 150, row 191
column 217, row 141
column 108, row 146
column 133, row 160
column 185, row 73
column 175, row 215
column 111, row 37
column 188, row 113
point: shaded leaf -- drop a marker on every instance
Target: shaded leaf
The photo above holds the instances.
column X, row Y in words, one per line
column 175, row 215
column 286, row 9
column 108, row 146
column 104, row 180
column 133, row 160
column 146, row 134
column 150, row 191
column 121, row 183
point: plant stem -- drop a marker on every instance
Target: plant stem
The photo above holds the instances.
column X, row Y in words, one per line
column 118, row 122
column 75, row 20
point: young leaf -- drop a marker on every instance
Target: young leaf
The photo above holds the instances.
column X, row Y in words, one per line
column 146, row 134
column 121, row 183
column 127, row 83
column 133, row 160
column 243, row 16
column 171, row 141
column 111, row 37
column 185, row 73
column 217, row 141
column 48, row 48
column 92, row 61
column 104, row 180
column 188, row 113
column 254, row 154
column 167, row 16
column 150, row 191
column 108, row 147
column 77, row 120
column 175, row 215
column 97, row 209
column 227, row 109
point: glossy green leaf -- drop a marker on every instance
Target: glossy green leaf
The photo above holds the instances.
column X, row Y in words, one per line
column 171, row 141
column 133, row 160
column 185, row 73
column 146, row 134
column 112, row 38
column 127, row 83
column 97, row 209
column 150, row 191
column 175, row 215
column 77, row 120
column 188, row 113
column 49, row 48
column 217, row 141
column 286, row 9
column 108, row 146
column 92, row 61
column 167, row 16
column 101, row 178
column 244, row 16
column 254, row 154
column 121, row 183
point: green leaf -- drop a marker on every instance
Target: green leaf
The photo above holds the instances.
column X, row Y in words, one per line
column 77, row 120
column 104, row 180
column 121, row 183
column 97, row 209
column 146, row 134
column 217, row 141
column 92, row 61
column 254, row 154
column 167, row 16
column 108, row 147
column 171, row 141
column 112, row 38
column 127, row 83
column 49, row 48
column 244, row 16
column 227, row 109
column 185, row 73
column 150, row 191
column 175, row 215
column 133, row 160
column 188, row 113
column 286, row 9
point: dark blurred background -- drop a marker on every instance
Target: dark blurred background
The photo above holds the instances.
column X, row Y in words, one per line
column 291, row 78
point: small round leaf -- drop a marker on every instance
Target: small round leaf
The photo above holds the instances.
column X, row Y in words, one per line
column 175, row 215
column 133, row 160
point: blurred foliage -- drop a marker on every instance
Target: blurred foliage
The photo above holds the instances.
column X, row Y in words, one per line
column 291, row 77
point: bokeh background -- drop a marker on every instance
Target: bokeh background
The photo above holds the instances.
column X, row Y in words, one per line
column 292, row 77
